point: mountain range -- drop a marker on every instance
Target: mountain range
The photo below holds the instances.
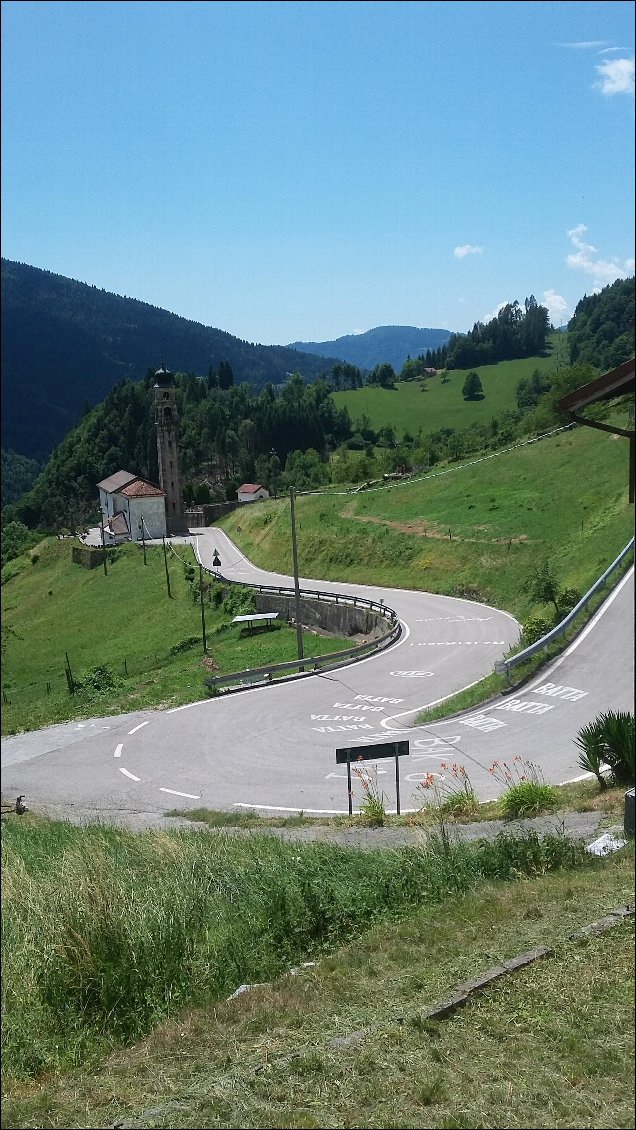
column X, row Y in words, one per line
column 65, row 344
column 384, row 343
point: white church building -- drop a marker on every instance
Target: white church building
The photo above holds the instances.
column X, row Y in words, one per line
column 133, row 509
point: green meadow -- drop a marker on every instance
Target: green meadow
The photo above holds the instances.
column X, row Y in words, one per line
column 128, row 643
column 478, row 529
column 441, row 405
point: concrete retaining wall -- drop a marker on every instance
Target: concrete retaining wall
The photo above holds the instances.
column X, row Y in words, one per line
column 337, row 619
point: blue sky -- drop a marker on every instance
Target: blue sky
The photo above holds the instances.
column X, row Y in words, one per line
column 300, row 171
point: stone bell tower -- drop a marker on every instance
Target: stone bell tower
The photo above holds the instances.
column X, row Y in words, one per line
column 167, row 424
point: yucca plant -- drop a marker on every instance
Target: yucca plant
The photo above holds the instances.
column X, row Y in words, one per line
column 592, row 746
column 619, row 735
column 608, row 741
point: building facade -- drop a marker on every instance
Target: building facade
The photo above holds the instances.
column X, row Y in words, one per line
column 133, row 509
column 251, row 492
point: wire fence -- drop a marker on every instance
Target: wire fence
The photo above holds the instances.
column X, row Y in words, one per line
column 70, row 678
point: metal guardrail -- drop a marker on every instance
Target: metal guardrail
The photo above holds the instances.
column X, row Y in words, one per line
column 309, row 665
column 264, row 675
column 503, row 666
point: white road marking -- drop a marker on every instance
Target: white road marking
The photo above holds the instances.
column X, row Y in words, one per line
column 524, row 706
column 131, row 775
column 555, row 690
column 135, row 728
column 411, row 674
column 482, row 722
column 190, row 796
column 118, row 750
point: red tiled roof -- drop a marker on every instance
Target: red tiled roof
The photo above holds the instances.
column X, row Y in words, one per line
column 250, row 488
column 140, row 488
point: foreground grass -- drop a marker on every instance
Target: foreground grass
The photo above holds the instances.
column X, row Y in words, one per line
column 106, row 933
column 549, row 1046
column 125, row 622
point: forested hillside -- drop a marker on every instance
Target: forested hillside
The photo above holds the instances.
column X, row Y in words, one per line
column 601, row 333
column 232, row 434
column 65, row 344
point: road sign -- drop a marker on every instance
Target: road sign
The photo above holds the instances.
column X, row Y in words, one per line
column 370, row 752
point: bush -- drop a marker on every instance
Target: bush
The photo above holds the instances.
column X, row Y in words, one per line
column 239, row 601
column 528, row 798
column 525, row 793
column 98, row 679
column 533, row 629
column 608, row 741
column 185, row 645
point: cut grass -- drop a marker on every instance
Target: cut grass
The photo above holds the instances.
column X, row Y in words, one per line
column 514, row 1056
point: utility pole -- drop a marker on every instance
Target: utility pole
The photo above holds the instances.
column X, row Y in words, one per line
column 101, row 526
column 299, row 630
column 205, row 644
column 165, row 561
column 143, row 540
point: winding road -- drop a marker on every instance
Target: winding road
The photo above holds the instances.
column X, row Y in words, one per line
column 272, row 748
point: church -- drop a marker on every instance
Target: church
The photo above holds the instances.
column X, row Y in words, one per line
column 134, row 509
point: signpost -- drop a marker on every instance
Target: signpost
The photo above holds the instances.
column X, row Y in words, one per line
column 370, row 753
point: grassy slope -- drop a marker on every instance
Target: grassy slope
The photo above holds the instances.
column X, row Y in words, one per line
column 407, row 408
column 52, row 608
column 512, row 1057
column 563, row 498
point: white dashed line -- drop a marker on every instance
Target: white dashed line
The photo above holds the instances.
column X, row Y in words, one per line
column 118, row 750
column 191, row 796
column 135, row 728
column 131, row 775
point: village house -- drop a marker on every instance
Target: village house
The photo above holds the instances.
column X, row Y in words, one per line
column 251, row 492
column 133, row 509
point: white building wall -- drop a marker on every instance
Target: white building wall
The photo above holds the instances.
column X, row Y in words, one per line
column 153, row 510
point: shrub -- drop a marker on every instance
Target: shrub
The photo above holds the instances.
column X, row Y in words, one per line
column 592, row 756
column 608, row 740
column 185, row 645
column 239, row 601
column 525, row 793
column 98, row 679
column 534, row 629
column 452, row 797
column 372, row 808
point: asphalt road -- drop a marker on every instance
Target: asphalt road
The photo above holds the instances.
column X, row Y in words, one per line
column 272, row 748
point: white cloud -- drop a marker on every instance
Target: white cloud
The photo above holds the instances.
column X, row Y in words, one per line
column 602, row 271
column 556, row 306
column 585, row 44
column 467, row 249
column 617, row 77
column 493, row 313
